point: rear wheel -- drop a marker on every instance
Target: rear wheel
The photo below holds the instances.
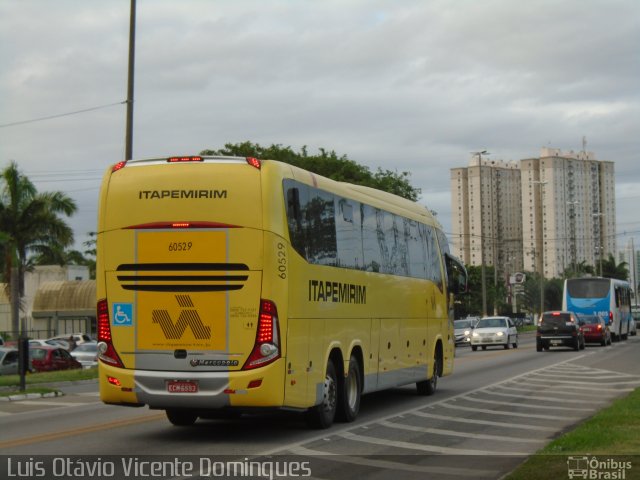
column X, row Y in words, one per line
column 506, row 345
column 515, row 344
column 576, row 344
column 538, row 347
column 350, row 393
column 428, row 387
column 322, row 416
column 474, row 347
column 180, row 417
column 484, row 347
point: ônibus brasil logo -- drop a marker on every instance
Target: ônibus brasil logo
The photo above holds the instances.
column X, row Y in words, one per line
column 188, row 317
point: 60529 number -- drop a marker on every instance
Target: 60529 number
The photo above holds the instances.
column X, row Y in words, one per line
column 180, row 246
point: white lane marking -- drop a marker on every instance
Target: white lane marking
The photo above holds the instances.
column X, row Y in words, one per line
column 485, row 422
column 511, row 414
column 552, row 385
column 396, row 466
column 552, row 379
column 527, row 405
column 54, row 404
column 569, row 395
column 424, row 448
column 454, row 433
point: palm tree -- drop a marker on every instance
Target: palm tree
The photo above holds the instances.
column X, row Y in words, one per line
column 30, row 221
column 611, row 269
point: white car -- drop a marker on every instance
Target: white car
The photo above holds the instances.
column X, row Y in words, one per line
column 86, row 354
column 494, row 331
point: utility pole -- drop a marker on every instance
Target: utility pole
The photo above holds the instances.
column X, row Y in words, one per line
column 600, row 245
column 132, row 49
column 541, row 183
column 483, row 274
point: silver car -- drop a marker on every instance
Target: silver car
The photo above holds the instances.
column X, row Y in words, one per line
column 494, row 331
column 86, row 354
column 462, row 330
column 8, row 361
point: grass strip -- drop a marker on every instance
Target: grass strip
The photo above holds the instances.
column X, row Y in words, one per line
column 50, row 377
column 611, row 433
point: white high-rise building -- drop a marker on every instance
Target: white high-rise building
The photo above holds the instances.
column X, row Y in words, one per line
column 558, row 209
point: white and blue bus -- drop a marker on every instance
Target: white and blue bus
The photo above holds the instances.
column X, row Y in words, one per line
column 608, row 298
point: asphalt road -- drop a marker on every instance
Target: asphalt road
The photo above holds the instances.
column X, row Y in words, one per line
column 498, row 407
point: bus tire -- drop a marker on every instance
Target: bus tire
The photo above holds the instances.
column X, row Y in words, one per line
column 350, row 393
column 181, row 417
column 321, row 416
column 428, row 387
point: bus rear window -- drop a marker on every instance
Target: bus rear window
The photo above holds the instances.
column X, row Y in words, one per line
column 588, row 288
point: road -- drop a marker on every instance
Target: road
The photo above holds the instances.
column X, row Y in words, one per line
column 499, row 407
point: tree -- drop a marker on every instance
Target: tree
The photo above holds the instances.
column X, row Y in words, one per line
column 327, row 164
column 30, row 222
column 611, row 269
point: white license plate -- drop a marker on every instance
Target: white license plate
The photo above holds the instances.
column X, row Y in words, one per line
column 556, row 342
column 182, row 386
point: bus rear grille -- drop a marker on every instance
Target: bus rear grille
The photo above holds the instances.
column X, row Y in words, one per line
column 182, row 277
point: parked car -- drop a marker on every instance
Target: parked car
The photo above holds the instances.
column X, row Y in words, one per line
column 46, row 359
column 78, row 338
column 462, row 330
column 494, row 331
column 36, row 342
column 633, row 327
column 8, row 361
column 595, row 329
column 86, row 354
column 559, row 328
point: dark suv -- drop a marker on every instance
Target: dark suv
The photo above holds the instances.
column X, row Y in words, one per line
column 559, row 328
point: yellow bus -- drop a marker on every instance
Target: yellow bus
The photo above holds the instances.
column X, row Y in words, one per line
column 230, row 284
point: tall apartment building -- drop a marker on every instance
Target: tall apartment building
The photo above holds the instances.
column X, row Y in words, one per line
column 565, row 213
column 487, row 214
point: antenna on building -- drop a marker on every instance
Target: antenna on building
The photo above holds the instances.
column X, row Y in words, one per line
column 584, row 144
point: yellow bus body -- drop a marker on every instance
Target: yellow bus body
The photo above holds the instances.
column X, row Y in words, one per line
column 187, row 250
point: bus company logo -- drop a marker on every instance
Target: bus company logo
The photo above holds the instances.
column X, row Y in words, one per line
column 188, row 317
column 178, row 194
column 594, row 468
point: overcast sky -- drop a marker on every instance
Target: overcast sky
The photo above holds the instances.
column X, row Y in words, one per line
column 408, row 85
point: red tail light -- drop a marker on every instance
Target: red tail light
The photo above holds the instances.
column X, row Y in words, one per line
column 610, row 317
column 118, row 166
column 267, row 345
column 106, row 351
column 184, row 159
column 254, row 162
column 599, row 327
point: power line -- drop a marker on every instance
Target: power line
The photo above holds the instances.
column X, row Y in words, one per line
column 50, row 117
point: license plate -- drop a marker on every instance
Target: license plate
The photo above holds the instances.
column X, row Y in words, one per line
column 182, row 386
column 555, row 342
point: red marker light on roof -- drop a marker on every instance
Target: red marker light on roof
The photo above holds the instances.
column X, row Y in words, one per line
column 254, row 162
column 184, row 159
column 118, row 166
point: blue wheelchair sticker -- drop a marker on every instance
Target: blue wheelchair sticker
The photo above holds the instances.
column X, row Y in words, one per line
column 122, row 314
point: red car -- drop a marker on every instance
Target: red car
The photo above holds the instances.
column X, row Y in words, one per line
column 595, row 329
column 46, row 359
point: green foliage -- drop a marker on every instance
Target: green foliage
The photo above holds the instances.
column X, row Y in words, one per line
column 30, row 221
column 471, row 303
column 327, row 164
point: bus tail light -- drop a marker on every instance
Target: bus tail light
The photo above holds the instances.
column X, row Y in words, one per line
column 254, row 162
column 610, row 318
column 266, row 348
column 106, row 352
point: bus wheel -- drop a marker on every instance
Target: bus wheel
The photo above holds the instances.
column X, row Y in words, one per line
column 180, row 417
column 321, row 416
column 349, row 397
column 428, row 387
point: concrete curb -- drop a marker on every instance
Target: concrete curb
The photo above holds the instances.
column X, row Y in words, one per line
column 30, row 396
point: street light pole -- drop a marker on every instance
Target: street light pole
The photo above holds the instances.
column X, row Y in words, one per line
column 574, row 254
column 483, row 274
column 541, row 183
column 132, row 49
column 600, row 246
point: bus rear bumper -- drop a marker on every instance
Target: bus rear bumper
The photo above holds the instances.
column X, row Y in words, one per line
column 201, row 390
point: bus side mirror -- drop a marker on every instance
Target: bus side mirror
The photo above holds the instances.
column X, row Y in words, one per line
column 457, row 278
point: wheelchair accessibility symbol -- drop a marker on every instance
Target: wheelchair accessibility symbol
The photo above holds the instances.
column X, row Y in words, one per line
column 123, row 314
